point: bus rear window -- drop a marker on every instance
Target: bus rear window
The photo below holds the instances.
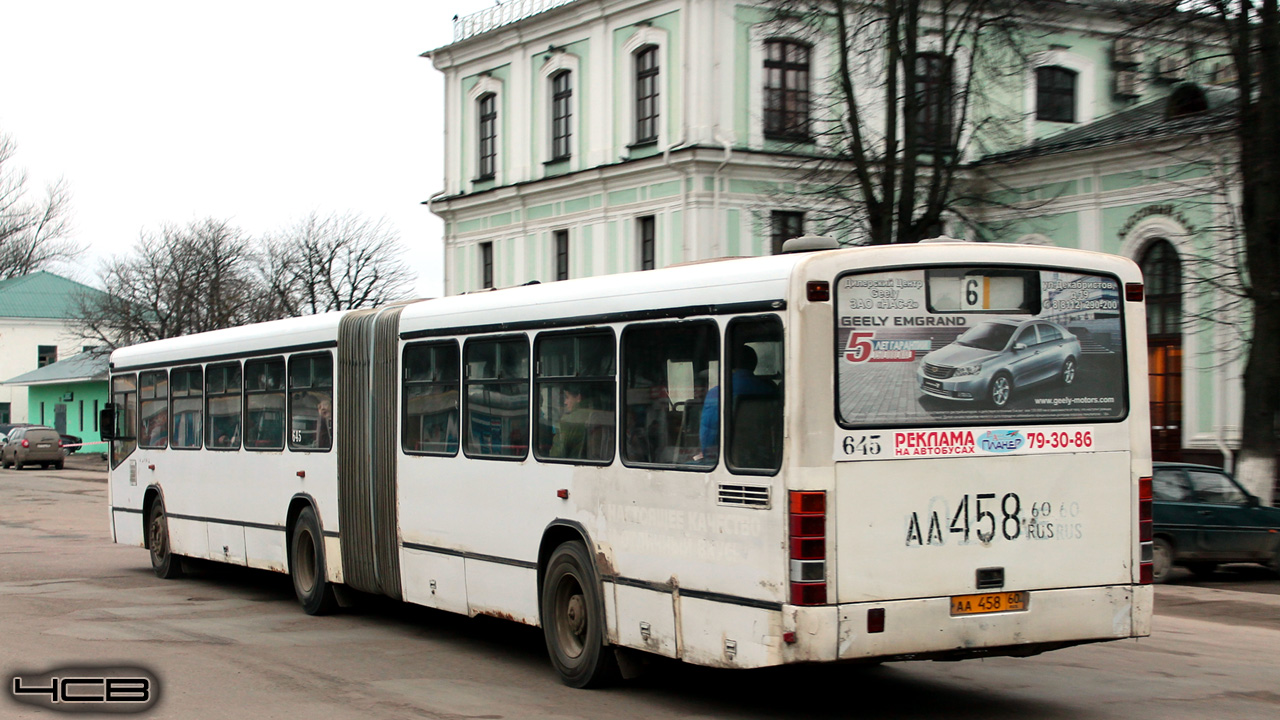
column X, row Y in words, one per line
column 953, row 346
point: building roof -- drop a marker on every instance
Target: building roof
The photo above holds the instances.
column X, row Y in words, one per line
column 1161, row 118
column 502, row 14
column 41, row 295
column 83, row 367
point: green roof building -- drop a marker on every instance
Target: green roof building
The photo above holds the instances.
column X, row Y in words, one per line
column 37, row 327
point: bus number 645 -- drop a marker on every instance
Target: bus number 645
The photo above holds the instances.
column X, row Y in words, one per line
column 865, row 445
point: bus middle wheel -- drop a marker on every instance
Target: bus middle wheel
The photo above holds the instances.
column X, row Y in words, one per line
column 573, row 619
column 306, row 566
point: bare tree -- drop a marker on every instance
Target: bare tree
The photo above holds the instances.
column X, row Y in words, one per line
column 883, row 166
column 335, row 262
column 1248, row 35
column 32, row 232
column 178, row 281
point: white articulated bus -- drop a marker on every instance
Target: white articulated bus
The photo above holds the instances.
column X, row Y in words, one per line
column 937, row 451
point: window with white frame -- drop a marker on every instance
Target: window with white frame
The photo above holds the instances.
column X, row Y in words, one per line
column 934, row 101
column 1056, row 94
column 561, row 115
column 786, row 90
column 647, row 94
column 487, row 113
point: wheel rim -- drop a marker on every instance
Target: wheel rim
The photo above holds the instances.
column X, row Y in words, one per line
column 305, row 562
column 571, row 617
column 1161, row 561
column 1069, row 372
column 1000, row 391
column 159, row 537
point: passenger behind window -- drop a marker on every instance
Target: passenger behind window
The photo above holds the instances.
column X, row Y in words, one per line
column 324, row 427
column 745, row 383
column 571, row 434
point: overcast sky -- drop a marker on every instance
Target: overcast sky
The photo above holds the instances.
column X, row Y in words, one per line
column 258, row 111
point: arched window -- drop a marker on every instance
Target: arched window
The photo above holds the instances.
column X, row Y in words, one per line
column 786, row 90
column 1055, row 94
column 487, row 111
column 1186, row 99
column 561, row 114
column 1162, row 274
column 933, row 89
column 647, row 94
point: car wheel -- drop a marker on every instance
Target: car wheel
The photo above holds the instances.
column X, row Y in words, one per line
column 17, row 464
column 1275, row 561
column 60, row 464
column 1000, row 390
column 573, row 619
column 1069, row 371
column 307, row 568
column 164, row 563
column 1161, row 560
column 1203, row 570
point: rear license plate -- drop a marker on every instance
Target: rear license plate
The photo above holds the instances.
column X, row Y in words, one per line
column 44, row 445
column 933, row 384
column 988, row 603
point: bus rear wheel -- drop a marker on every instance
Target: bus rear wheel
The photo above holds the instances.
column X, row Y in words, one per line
column 573, row 619
column 164, row 563
column 306, row 566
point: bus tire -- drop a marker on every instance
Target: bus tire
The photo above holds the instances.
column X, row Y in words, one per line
column 573, row 619
column 164, row 563
column 307, row 568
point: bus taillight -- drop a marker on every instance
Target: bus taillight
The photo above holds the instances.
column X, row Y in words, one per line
column 1146, row 572
column 808, row 534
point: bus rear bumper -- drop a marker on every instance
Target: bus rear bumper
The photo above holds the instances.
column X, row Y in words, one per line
column 924, row 628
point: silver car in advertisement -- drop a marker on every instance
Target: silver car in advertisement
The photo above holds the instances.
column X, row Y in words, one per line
column 995, row 357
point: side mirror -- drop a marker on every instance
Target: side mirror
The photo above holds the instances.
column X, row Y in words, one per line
column 1252, row 501
column 107, row 422
column 1017, row 347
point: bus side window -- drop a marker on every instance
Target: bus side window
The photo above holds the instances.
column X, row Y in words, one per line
column 669, row 371
column 222, row 406
column 496, row 418
column 311, row 402
column 575, row 394
column 264, row 404
column 154, row 394
column 124, row 395
column 753, row 418
column 430, row 396
column 186, row 412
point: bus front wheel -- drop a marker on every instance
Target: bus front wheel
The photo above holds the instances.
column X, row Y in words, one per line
column 165, row 564
column 306, row 566
column 573, row 619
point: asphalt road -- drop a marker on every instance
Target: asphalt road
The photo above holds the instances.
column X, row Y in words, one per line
column 232, row 643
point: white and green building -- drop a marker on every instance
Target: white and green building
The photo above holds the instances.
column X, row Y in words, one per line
column 594, row 137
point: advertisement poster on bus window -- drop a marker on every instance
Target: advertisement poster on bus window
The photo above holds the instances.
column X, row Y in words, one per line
column 974, row 345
